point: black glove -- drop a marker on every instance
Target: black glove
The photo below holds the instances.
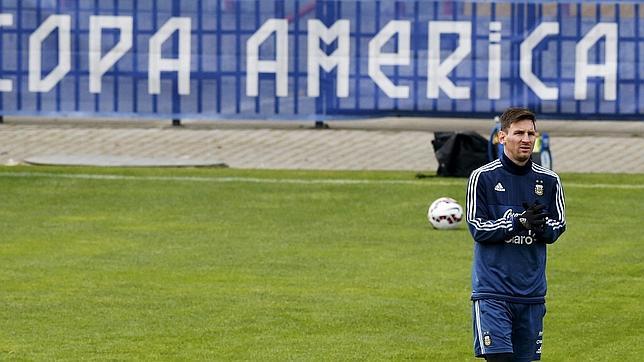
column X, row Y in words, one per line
column 533, row 218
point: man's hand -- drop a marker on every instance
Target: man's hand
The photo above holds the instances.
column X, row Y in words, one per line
column 533, row 218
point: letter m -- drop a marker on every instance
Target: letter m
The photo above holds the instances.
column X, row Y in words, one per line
column 318, row 58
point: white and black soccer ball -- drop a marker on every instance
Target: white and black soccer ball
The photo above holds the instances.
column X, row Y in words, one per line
column 445, row 213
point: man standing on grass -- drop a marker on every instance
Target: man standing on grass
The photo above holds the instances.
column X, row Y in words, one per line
column 514, row 209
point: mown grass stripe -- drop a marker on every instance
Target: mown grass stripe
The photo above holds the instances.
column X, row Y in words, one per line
column 443, row 182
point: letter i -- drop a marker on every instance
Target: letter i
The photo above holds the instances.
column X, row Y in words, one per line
column 494, row 61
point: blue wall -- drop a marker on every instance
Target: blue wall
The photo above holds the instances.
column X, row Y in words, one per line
column 218, row 49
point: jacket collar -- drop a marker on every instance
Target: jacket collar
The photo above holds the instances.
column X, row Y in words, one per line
column 514, row 168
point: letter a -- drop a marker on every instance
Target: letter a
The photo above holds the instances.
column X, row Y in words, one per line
column 279, row 66
column 181, row 64
column 608, row 70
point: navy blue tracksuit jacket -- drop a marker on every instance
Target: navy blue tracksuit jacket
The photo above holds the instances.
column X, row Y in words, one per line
column 510, row 262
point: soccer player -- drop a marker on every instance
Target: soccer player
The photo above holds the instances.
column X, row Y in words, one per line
column 515, row 208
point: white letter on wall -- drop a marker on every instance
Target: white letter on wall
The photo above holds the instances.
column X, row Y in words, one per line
column 181, row 64
column 542, row 31
column 608, row 70
column 436, row 71
column 401, row 57
column 317, row 58
column 99, row 65
column 494, row 61
column 5, row 84
column 63, row 23
column 279, row 66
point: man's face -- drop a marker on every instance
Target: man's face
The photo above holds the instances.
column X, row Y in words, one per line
column 519, row 141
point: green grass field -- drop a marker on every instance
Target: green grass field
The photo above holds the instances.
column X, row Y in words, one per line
column 219, row 264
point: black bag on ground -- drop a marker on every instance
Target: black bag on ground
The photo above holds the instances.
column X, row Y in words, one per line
column 459, row 153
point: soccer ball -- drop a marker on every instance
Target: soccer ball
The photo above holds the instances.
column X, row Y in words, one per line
column 445, row 213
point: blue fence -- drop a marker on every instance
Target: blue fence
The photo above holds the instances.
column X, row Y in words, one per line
column 274, row 59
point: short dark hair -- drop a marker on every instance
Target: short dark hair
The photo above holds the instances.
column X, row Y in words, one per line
column 514, row 114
